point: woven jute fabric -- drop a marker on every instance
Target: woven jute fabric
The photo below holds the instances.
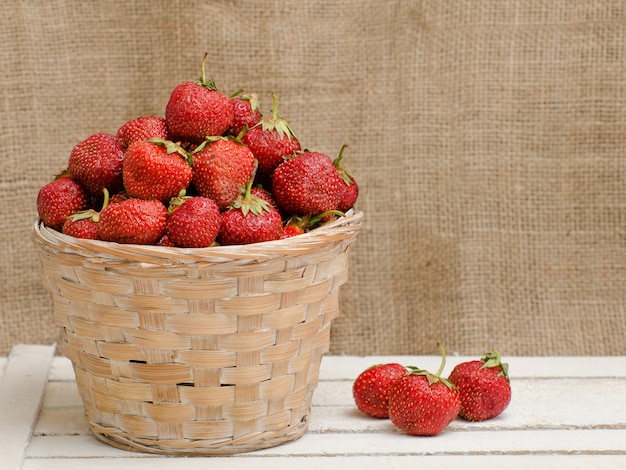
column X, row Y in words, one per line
column 488, row 139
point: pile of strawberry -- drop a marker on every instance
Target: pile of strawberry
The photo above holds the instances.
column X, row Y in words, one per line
column 214, row 170
column 424, row 404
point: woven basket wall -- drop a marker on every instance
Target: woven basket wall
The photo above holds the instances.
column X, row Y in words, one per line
column 205, row 351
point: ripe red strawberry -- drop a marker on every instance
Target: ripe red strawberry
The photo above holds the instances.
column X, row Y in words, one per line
column 371, row 388
column 83, row 224
column 196, row 110
column 246, row 113
column 142, row 128
column 250, row 220
column 194, row 223
column 155, row 169
column 299, row 224
column 423, row 404
column 307, row 184
column 134, row 220
column 165, row 241
column 270, row 140
column 484, row 387
column 291, row 230
column 59, row 199
column 96, row 163
column 221, row 169
column 261, row 193
column 351, row 189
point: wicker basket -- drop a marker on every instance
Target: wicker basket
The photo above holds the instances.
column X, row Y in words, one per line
column 197, row 351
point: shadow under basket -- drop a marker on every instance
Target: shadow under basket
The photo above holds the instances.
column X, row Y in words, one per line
column 197, row 351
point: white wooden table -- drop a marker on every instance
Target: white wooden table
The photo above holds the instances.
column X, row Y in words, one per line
column 566, row 412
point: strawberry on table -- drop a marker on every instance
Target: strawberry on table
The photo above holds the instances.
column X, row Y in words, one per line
column 371, row 388
column 422, row 403
column 220, row 169
column 155, row 169
column 96, row 163
column 142, row 128
column 137, row 221
column 59, row 199
column 196, row 110
column 484, row 387
column 307, row 183
column 193, row 224
column 250, row 219
column 270, row 140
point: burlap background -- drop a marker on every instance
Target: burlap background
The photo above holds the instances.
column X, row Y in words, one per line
column 488, row 138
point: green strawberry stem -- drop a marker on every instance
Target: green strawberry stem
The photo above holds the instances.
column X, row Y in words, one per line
column 443, row 360
column 177, row 201
column 346, row 175
column 205, row 81
column 433, row 378
column 315, row 220
column 276, row 122
column 210, row 139
column 172, row 147
column 492, row 359
column 337, row 160
column 237, row 93
column 248, row 202
column 90, row 213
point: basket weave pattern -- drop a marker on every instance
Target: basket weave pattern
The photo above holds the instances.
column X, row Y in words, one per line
column 205, row 351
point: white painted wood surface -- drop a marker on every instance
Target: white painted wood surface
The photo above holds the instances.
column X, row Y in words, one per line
column 566, row 412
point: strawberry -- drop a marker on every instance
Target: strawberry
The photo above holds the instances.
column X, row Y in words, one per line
column 134, row 220
column 270, row 140
column 155, row 169
column 423, row 404
column 96, row 163
column 196, row 110
column 299, row 224
column 246, row 113
column 291, row 230
column 250, row 219
column 142, row 128
column 308, row 183
column 194, row 223
column 350, row 191
column 221, row 169
column 84, row 224
column 484, row 387
column 165, row 241
column 261, row 193
column 59, row 199
column 371, row 388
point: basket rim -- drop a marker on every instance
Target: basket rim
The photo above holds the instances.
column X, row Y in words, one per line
column 344, row 228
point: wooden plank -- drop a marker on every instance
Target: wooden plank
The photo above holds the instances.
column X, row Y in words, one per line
column 587, row 441
column 248, row 461
column 62, row 369
column 21, row 390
